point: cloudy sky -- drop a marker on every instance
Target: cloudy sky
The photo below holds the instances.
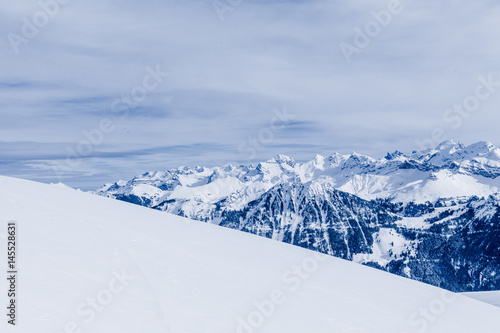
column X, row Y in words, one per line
column 96, row 91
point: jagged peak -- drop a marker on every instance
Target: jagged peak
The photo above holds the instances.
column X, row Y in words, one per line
column 482, row 146
column 360, row 157
column 318, row 162
column 450, row 145
column 337, row 158
column 283, row 159
column 394, row 156
column 319, row 157
column 121, row 182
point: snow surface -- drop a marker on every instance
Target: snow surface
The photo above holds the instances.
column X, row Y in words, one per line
column 387, row 246
column 191, row 277
column 490, row 297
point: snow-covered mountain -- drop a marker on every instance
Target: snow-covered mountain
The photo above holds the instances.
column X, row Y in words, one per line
column 90, row 264
column 431, row 215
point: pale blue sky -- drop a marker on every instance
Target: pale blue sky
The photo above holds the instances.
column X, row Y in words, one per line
column 227, row 76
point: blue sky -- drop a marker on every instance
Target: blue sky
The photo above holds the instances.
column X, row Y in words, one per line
column 228, row 79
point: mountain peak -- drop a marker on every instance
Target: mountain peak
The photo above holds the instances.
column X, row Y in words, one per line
column 283, row 159
column 396, row 155
column 319, row 159
column 481, row 146
column 360, row 157
column 450, row 146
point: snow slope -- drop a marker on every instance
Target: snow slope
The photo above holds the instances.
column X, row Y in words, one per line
column 490, row 297
column 92, row 264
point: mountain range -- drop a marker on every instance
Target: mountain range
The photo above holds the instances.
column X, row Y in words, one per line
column 432, row 215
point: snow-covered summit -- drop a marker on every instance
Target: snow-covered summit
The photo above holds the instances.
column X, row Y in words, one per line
column 449, row 152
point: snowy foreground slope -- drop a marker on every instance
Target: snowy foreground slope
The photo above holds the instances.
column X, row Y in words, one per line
column 490, row 297
column 92, row 264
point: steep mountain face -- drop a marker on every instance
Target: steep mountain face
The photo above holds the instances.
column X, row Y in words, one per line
column 313, row 216
column 432, row 216
column 458, row 246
